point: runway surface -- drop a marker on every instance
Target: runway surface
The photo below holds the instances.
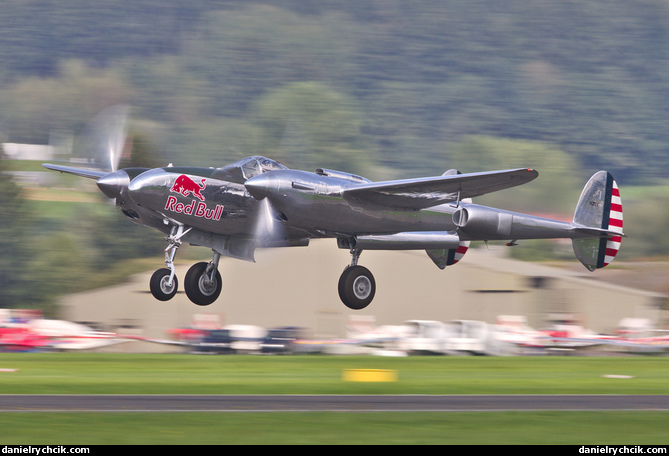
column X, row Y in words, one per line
column 321, row 403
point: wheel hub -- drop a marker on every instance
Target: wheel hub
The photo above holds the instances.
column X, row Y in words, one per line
column 207, row 286
column 167, row 285
column 362, row 287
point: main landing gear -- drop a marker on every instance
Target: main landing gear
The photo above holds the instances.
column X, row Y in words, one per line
column 356, row 284
column 203, row 282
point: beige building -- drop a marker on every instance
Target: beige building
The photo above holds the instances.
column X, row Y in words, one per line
column 298, row 287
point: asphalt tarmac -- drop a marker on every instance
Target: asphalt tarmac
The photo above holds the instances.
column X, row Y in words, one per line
column 331, row 403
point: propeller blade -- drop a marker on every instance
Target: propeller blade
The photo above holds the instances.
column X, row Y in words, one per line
column 103, row 139
column 268, row 229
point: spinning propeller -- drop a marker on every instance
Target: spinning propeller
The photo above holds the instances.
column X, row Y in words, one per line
column 102, row 143
column 101, row 146
column 103, row 139
column 268, row 229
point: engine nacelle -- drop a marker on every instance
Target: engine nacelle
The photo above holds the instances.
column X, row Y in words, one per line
column 483, row 223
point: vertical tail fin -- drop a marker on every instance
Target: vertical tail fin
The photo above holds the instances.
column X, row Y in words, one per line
column 448, row 257
column 600, row 208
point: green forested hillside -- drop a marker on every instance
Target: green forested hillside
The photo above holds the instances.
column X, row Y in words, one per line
column 411, row 78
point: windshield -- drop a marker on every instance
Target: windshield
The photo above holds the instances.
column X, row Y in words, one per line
column 252, row 166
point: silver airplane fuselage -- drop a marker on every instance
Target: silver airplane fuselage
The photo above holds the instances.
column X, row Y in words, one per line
column 312, row 205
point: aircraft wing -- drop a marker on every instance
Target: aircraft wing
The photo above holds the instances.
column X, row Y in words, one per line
column 89, row 173
column 432, row 191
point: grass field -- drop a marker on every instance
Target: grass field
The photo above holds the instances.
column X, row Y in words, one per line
column 81, row 373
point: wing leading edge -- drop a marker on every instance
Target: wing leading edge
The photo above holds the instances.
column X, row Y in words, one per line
column 88, row 173
column 431, row 191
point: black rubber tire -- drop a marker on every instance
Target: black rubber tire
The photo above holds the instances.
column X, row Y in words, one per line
column 158, row 288
column 357, row 287
column 197, row 290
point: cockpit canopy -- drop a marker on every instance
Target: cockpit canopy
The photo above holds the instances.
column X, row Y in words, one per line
column 252, row 166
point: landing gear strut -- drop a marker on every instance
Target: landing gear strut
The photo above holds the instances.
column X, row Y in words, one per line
column 356, row 284
column 164, row 283
column 203, row 282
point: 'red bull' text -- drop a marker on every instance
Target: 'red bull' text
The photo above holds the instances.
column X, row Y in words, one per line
column 195, row 208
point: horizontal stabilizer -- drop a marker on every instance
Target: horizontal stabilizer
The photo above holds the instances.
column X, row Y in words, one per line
column 597, row 231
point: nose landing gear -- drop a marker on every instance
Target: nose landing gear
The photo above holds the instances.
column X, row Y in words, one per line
column 163, row 285
column 203, row 282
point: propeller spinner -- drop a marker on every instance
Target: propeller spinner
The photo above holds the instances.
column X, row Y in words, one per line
column 113, row 184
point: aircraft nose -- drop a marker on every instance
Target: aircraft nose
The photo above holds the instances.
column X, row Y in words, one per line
column 114, row 183
column 262, row 186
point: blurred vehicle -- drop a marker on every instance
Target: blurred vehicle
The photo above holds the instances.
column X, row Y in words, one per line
column 246, row 339
column 455, row 337
column 565, row 333
column 26, row 330
column 423, row 337
column 21, row 339
column 473, row 337
column 282, row 341
column 637, row 336
column 228, row 339
column 215, row 341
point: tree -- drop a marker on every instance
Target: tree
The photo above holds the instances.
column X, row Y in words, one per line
column 15, row 244
column 34, row 107
column 309, row 123
column 555, row 190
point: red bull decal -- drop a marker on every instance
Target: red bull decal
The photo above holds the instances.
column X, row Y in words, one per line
column 198, row 210
column 185, row 186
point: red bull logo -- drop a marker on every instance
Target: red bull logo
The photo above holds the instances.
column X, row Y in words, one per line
column 185, row 185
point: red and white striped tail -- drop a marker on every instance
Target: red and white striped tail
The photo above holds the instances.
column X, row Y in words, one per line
column 615, row 224
column 599, row 207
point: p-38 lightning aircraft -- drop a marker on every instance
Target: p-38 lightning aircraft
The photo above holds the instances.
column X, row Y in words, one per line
column 259, row 203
